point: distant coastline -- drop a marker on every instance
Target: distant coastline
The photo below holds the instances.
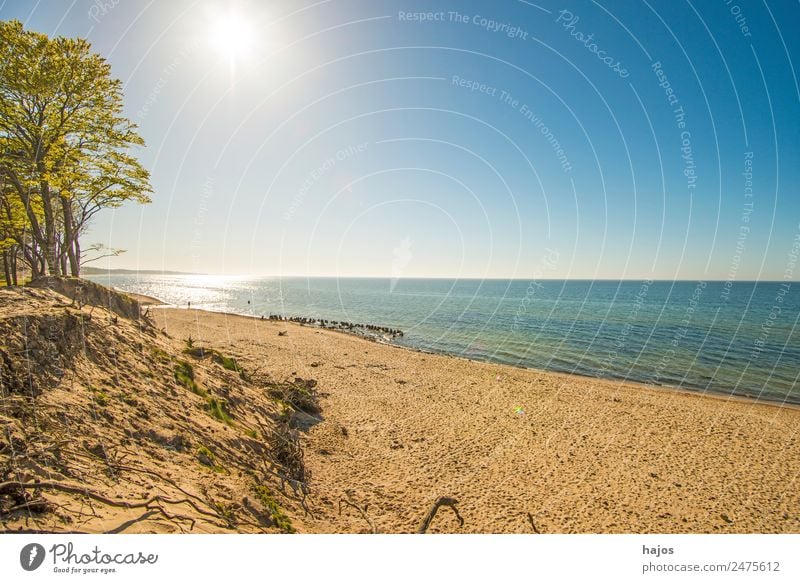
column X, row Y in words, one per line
column 99, row 271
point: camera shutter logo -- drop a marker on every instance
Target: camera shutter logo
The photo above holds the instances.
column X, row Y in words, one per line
column 31, row 556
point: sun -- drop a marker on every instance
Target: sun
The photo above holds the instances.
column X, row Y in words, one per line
column 231, row 35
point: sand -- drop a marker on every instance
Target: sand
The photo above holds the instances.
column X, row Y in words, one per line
column 143, row 299
column 520, row 450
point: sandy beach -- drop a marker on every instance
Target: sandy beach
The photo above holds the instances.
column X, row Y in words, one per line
column 520, row 450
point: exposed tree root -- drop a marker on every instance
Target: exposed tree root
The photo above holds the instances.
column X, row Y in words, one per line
column 9, row 487
column 153, row 511
column 441, row 501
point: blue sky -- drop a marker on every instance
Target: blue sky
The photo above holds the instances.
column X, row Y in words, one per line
column 484, row 139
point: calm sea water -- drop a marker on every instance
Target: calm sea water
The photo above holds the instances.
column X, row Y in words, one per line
column 737, row 339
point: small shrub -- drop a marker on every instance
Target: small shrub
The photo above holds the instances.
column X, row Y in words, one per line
column 287, row 452
column 278, row 516
column 300, row 394
column 206, row 457
column 286, row 412
column 196, row 351
column 160, row 355
column 226, row 362
column 184, row 370
column 99, row 396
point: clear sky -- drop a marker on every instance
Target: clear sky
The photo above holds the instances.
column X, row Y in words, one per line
column 656, row 139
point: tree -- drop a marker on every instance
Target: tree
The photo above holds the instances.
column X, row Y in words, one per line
column 12, row 230
column 65, row 147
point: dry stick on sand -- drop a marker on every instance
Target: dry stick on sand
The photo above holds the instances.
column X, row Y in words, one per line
column 533, row 524
column 363, row 511
column 441, row 501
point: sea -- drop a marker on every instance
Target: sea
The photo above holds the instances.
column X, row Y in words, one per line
column 730, row 338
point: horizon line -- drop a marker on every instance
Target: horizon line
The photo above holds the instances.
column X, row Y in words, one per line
column 125, row 271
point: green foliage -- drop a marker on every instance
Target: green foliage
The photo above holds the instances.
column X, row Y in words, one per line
column 184, row 375
column 160, row 354
column 207, row 458
column 65, row 147
column 226, row 362
column 100, row 396
column 279, row 517
column 184, row 371
column 218, row 409
column 286, row 412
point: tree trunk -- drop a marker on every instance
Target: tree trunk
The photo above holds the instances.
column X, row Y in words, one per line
column 37, row 237
column 37, row 265
column 62, row 259
column 50, row 243
column 14, row 266
column 7, row 268
column 70, row 237
column 31, row 255
column 77, row 251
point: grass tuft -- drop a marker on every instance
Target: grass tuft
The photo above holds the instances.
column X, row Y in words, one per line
column 279, row 517
column 226, row 362
column 184, row 376
column 207, row 458
column 218, row 409
column 100, row 396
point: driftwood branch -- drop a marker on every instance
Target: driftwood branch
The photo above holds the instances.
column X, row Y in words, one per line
column 361, row 510
column 533, row 524
column 441, row 501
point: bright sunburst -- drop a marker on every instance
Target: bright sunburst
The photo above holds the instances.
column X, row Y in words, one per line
column 231, row 35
